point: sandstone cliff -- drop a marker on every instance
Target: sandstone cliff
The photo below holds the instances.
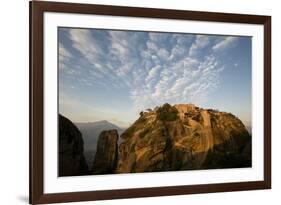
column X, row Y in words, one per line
column 184, row 137
column 71, row 157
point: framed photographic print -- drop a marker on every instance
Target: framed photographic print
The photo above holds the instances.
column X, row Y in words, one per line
column 139, row 102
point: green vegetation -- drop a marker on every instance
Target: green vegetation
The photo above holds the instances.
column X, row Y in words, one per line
column 167, row 113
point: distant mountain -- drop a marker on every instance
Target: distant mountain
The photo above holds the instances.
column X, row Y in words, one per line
column 90, row 133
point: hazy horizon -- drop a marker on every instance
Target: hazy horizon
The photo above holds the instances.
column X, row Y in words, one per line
column 113, row 75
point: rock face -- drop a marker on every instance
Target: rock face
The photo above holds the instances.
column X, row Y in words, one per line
column 105, row 161
column 90, row 132
column 71, row 157
column 184, row 137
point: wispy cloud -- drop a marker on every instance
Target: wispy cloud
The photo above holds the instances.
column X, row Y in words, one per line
column 225, row 43
column 155, row 68
column 83, row 41
column 64, row 56
column 200, row 42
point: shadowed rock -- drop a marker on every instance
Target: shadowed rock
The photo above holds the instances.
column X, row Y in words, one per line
column 106, row 157
column 71, row 158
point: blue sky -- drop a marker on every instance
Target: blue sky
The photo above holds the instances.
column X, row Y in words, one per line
column 113, row 75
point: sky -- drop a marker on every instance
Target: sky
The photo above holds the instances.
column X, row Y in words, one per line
column 113, row 75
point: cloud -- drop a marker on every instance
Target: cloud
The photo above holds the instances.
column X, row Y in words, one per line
column 225, row 43
column 64, row 53
column 102, row 53
column 192, row 83
column 151, row 46
column 153, row 71
column 201, row 42
column 163, row 54
column 64, row 56
column 154, row 68
column 119, row 43
column 83, row 41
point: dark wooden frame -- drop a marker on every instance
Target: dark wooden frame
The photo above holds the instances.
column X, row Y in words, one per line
column 37, row 9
